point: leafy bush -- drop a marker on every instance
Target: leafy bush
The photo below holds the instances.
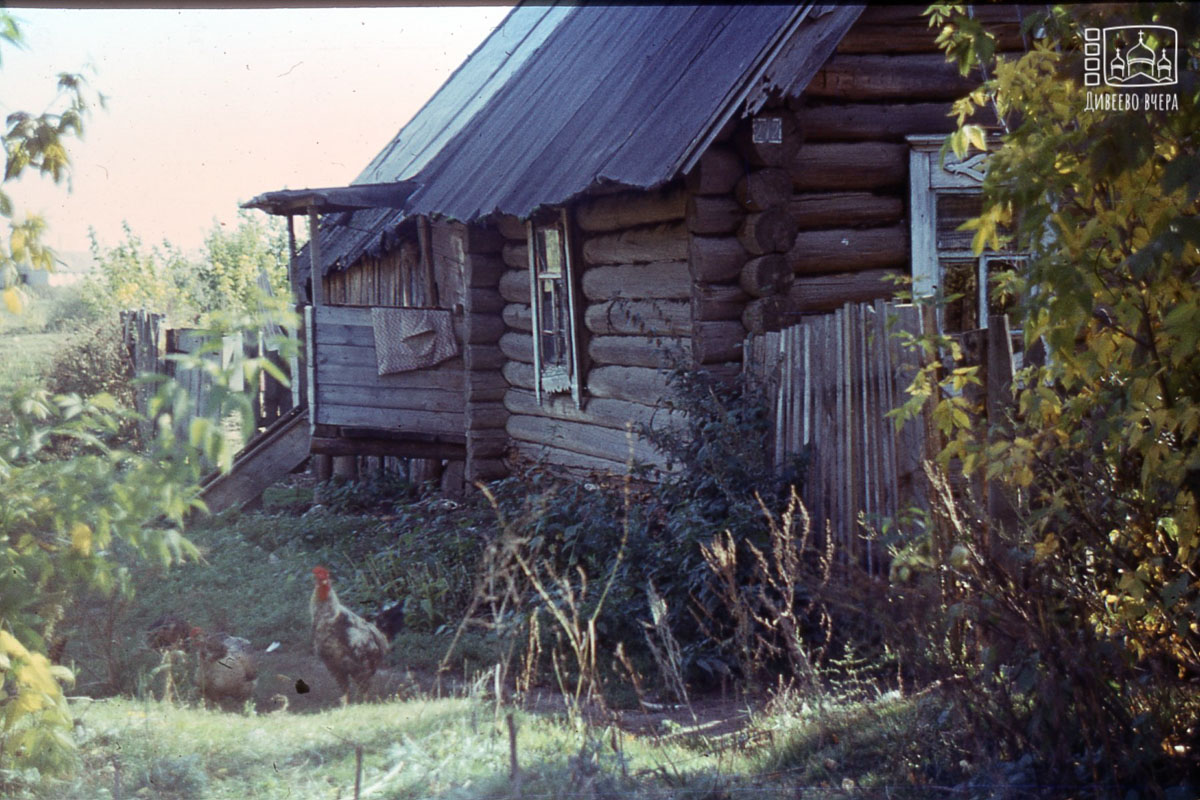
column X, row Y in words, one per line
column 67, row 308
column 94, row 361
column 628, row 554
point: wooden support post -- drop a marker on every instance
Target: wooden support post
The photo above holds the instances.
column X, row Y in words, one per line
column 314, row 250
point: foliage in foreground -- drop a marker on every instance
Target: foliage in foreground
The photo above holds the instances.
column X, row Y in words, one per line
column 1087, row 606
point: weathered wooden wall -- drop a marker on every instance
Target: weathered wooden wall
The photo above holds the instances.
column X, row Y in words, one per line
column 349, row 391
column 821, row 219
column 834, row 378
column 631, row 256
column 483, row 384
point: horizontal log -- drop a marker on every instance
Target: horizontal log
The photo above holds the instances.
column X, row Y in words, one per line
column 761, row 146
column 713, row 216
column 717, row 172
column 515, row 255
column 483, row 416
column 479, row 239
column 488, row 442
column 637, row 384
column 398, row 448
column 518, row 375
column 649, row 317
column 605, row 411
column 514, row 286
column 904, row 28
column 847, row 249
column 577, row 437
column 843, row 167
column 718, row 342
column 906, row 77
column 844, row 210
column 510, row 227
column 485, row 470
column 764, row 188
column 518, row 316
column 485, row 357
column 889, row 122
column 662, row 280
column 569, row 462
column 517, row 346
column 766, row 275
column 484, row 387
column 629, row 209
column 484, row 300
column 714, row 259
column 770, row 231
column 667, row 242
column 484, row 269
column 813, row 293
column 718, row 301
column 639, row 351
column 764, row 314
column 428, row 422
column 484, row 328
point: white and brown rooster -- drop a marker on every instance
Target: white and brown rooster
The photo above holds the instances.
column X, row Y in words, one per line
column 350, row 647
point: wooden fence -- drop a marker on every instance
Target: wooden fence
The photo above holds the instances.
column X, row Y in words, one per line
column 149, row 345
column 834, row 377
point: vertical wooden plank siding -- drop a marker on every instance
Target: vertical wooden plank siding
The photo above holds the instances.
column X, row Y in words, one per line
column 835, row 377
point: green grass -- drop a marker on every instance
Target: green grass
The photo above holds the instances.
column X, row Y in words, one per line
column 25, row 357
column 448, row 748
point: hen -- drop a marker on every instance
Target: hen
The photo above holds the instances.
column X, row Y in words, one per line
column 225, row 669
column 350, row 647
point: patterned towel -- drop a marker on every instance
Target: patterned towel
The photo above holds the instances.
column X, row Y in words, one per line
column 412, row 338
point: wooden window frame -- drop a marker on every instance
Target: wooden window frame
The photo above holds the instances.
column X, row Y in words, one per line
column 929, row 180
column 563, row 375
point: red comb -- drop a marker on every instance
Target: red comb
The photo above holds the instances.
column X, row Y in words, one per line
column 321, row 573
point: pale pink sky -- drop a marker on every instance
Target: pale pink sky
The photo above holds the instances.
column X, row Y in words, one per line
column 207, row 108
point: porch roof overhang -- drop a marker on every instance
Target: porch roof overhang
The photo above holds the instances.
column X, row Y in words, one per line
column 289, row 202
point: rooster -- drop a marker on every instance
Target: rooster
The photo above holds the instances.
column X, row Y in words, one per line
column 225, row 669
column 350, row 647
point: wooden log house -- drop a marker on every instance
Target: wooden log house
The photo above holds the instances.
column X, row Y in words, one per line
column 600, row 193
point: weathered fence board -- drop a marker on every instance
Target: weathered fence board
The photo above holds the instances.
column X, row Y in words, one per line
column 834, row 378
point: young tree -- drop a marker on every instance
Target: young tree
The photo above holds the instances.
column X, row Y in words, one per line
column 36, row 142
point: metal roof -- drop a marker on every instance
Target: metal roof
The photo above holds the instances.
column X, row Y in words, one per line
column 338, row 198
column 562, row 98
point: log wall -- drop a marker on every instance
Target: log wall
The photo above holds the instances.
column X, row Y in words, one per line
column 845, row 191
column 631, row 253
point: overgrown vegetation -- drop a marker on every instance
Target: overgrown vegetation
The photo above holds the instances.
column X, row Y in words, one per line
column 234, row 271
column 1086, row 607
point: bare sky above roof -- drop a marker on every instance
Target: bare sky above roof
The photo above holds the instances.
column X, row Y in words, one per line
column 208, row 108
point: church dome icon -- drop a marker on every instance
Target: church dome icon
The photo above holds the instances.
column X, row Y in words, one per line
column 1164, row 70
column 1116, row 67
column 1152, row 60
column 1141, row 55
